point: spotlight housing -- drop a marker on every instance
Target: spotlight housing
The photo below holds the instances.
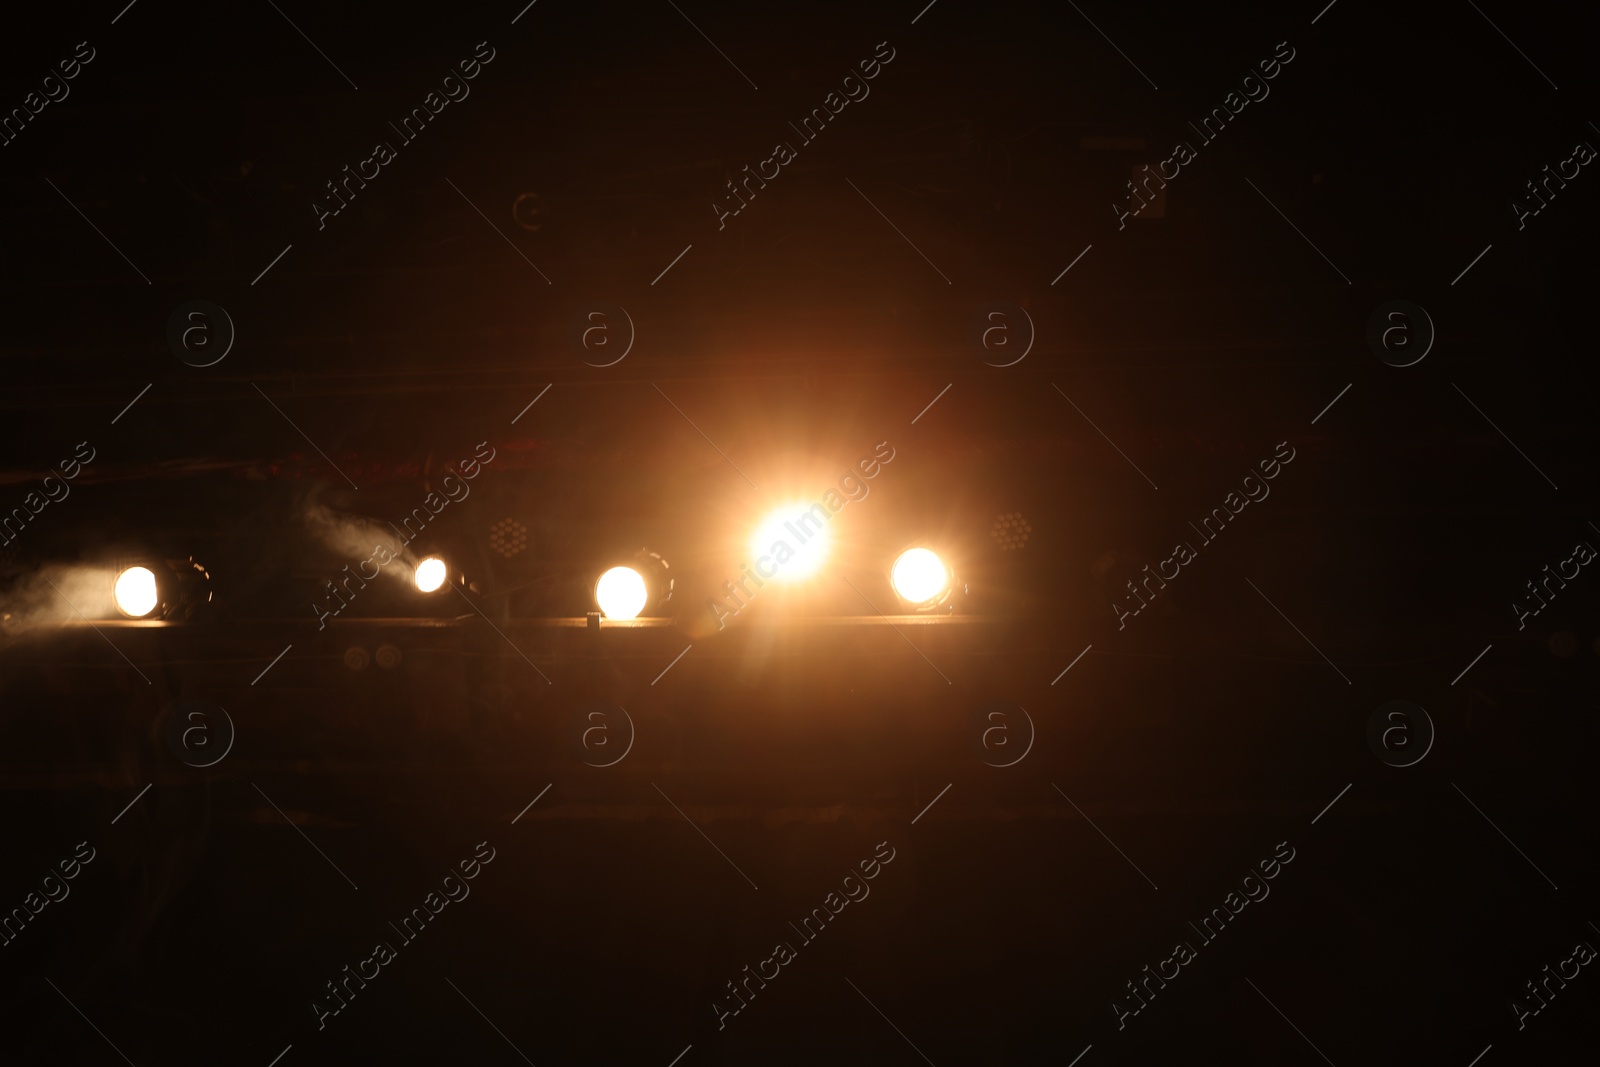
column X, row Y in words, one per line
column 173, row 589
column 634, row 586
column 924, row 581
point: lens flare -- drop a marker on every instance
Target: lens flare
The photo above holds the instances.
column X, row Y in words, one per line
column 919, row 576
column 431, row 574
column 135, row 592
column 792, row 541
column 621, row 593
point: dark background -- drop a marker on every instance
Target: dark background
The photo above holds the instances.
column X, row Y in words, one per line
column 1214, row 725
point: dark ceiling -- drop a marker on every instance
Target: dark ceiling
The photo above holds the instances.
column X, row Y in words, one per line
column 982, row 170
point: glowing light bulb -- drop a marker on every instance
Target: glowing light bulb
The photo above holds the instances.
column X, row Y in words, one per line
column 431, row 574
column 795, row 538
column 135, row 592
column 621, row 593
column 919, row 576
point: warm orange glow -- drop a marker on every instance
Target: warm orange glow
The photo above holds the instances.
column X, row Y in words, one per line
column 430, row 574
column 792, row 540
column 136, row 592
column 621, row 593
column 919, row 576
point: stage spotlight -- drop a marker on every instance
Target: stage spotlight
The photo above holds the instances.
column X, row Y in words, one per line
column 175, row 590
column 621, row 593
column 431, row 574
column 135, row 592
column 919, row 576
column 921, row 579
column 795, row 538
column 634, row 585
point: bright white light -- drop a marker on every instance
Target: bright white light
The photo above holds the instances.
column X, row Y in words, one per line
column 791, row 541
column 621, row 593
column 136, row 592
column 431, row 574
column 919, row 576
